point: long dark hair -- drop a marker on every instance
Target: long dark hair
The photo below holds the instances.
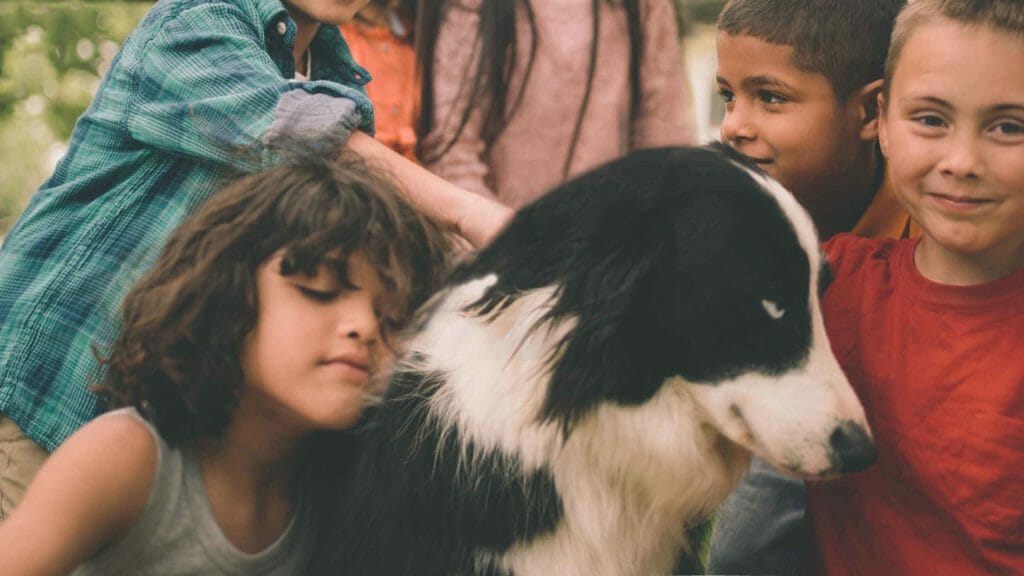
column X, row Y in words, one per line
column 498, row 48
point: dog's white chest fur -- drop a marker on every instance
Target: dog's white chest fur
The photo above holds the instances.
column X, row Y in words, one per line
column 628, row 477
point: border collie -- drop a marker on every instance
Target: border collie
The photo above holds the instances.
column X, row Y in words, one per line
column 596, row 379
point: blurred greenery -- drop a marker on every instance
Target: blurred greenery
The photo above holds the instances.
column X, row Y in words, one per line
column 52, row 57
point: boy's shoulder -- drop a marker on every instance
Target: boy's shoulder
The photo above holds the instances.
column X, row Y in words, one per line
column 851, row 250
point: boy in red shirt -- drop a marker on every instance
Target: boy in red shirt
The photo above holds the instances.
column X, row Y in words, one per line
column 929, row 332
column 800, row 80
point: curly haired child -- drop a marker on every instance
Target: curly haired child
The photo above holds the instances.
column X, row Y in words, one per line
column 250, row 344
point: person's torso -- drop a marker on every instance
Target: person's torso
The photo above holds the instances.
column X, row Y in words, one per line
column 941, row 377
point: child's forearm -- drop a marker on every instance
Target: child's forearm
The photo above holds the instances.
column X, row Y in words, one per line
column 474, row 217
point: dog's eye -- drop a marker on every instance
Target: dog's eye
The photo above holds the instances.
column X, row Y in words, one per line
column 773, row 309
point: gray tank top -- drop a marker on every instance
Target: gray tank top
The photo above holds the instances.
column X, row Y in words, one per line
column 177, row 533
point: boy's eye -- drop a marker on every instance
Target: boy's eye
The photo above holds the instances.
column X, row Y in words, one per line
column 318, row 295
column 726, row 95
column 771, row 97
column 930, row 121
column 1009, row 128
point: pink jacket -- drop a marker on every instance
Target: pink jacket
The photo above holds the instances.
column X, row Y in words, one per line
column 528, row 157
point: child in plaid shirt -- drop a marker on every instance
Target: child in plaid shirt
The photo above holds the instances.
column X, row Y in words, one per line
column 202, row 89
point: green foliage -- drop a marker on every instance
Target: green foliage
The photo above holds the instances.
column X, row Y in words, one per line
column 699, row 11
column 52, row 57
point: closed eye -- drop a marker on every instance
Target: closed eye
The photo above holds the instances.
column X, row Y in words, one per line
column 773, row 309
column 318, row 295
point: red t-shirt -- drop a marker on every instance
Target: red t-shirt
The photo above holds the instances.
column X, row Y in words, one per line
column 940, row 371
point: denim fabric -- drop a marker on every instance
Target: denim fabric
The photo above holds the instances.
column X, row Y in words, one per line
column 761, row 527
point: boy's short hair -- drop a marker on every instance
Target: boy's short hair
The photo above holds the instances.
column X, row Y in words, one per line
column 844, row 40
column 177, row 356
column 1005, row 15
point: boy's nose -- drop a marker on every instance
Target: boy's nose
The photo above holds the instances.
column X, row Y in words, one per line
column 360, row 322
column 736, row 126
column 961, row 158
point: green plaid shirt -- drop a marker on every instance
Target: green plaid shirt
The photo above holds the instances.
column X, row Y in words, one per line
column 200, row 90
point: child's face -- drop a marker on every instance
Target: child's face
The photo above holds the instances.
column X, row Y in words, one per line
column 953, row 131
column 786, row 120
column 326, row 11
column 315, row 344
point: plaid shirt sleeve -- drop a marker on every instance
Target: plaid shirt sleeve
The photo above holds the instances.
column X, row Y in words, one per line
column 205, row 87
column 201, row 90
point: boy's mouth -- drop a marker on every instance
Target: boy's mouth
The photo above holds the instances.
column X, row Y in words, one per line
column 959, row 202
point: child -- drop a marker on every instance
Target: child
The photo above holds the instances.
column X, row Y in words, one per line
column 380, row 38
column 518, row 95
column 200, row 90
column 264, row 320
column 800, row 80
column 930, row 332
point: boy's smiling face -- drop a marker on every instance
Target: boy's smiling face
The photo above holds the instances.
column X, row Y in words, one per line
column 790, row 122
column 953, row 130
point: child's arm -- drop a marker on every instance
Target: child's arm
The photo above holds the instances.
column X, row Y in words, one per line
column 89, row 493
column 203, row 86
column 474, row 217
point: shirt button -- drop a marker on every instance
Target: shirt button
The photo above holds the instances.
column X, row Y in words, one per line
column 282, row 28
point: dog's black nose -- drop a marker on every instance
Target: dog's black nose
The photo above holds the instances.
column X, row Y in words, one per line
column 852, row 448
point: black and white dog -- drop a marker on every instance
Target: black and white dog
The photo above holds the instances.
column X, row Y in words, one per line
column 597, row 378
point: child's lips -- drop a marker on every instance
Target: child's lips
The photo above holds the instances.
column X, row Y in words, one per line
column 959, row 203
column 356, row 364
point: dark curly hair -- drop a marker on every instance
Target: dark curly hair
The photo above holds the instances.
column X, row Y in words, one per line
column 177, row 356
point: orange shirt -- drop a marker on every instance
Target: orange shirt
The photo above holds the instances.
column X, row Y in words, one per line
column 393, row 90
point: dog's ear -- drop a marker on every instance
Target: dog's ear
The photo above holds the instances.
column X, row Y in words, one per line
column 610, row 290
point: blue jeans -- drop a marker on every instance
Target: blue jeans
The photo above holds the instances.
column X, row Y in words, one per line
column 760, row 528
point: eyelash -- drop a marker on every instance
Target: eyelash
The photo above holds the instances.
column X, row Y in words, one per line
column 1016, row 128
column 318, row 295
column 765, row 96
column 929, row 120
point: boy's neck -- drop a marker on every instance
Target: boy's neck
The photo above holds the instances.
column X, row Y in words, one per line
column 944, row 266
column 305, row 30
column 252, row 511
column 845, row 203
column 373, row 14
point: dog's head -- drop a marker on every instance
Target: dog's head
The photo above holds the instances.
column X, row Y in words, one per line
column 686, row 268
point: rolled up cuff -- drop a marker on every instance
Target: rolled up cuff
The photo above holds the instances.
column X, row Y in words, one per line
column 306, row 123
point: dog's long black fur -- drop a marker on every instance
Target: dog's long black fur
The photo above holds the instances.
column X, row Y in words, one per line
column 660, row 259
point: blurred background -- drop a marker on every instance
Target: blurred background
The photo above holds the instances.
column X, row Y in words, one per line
column 53, row 54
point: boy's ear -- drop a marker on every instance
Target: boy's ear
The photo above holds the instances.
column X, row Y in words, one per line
column 867, row 105
column 883, row 134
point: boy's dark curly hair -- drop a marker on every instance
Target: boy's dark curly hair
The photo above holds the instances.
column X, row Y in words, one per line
column 177, row 357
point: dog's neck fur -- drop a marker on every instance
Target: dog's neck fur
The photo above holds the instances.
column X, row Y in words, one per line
column 614, row 470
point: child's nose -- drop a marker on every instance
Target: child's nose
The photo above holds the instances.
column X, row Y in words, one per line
column 360, row 322
column 961, row 159
column 736, row 125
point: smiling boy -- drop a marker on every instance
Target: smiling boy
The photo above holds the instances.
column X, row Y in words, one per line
column 800, row 81
column 930, row 332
